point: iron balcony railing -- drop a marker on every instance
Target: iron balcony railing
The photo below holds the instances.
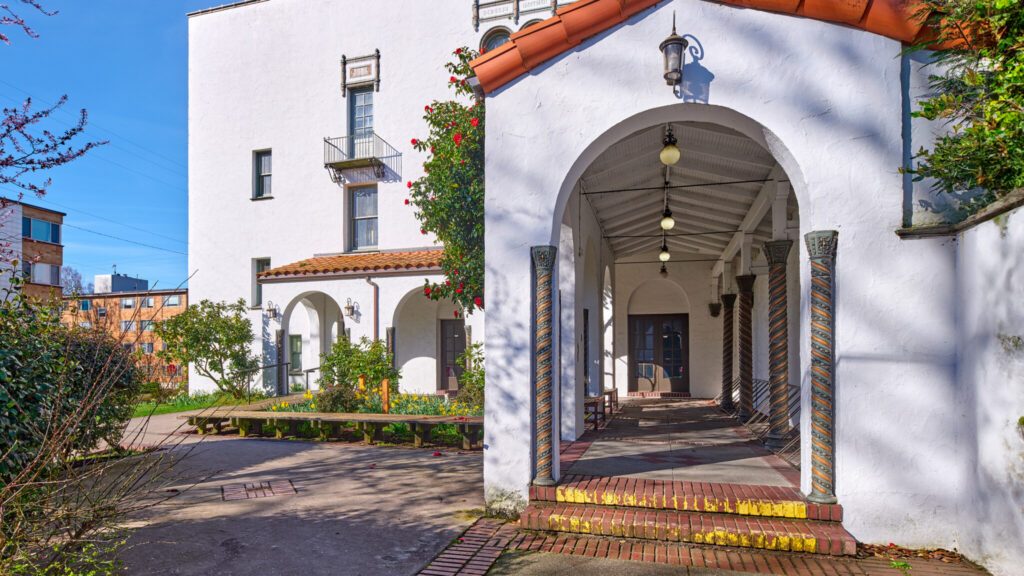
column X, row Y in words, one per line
column 346, row 156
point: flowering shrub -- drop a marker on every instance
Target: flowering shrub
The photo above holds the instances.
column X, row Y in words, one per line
column 340, row 370
column 449, row 198
column 979, row 94
column 471, row 385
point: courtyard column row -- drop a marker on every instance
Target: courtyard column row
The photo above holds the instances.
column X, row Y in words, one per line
column 728, row 318
column 821, row 246
column 543, row 263
column 746, row 345
column 777, row 253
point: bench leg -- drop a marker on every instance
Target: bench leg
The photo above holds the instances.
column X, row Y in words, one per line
column 278, row 430
column 470, row 436
column 200, row 425
column 421, row 433
column 369, row 432
column 243, row 426
column 217, row 425
column 293, row 428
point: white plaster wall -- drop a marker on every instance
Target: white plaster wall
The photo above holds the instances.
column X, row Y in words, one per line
column 640, row 289
column 416, row 346
column 990, row 274
column 827, row 102
column 267, row 75
column 10, row 243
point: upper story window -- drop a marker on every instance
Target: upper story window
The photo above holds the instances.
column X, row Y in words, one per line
column 38, row 273
column 84, row 305
column 127, row 303
column 494, row 37
column 147, row 302
column 101, row 312
column 40, row 230
column 127, row 325
column 172, row 300
column 360, row 111
column 147, row 325
column 262, row 170
column 364, row 218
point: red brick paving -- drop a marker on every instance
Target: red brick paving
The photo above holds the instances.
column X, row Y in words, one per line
column 475, row 551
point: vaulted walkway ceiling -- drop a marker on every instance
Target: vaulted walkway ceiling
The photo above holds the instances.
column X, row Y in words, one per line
column 708, row 215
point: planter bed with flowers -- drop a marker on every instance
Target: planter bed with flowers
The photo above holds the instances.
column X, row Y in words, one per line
column 327, row 425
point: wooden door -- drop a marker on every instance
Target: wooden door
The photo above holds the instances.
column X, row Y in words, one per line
column 659, row 353
column 453, row 344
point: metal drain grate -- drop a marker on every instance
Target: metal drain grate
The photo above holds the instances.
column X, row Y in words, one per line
column 251, row 490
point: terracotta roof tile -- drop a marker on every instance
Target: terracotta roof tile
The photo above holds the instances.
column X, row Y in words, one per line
column 572, row 24
column 359, row 263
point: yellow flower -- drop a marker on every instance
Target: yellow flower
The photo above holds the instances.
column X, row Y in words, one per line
column 312, row 406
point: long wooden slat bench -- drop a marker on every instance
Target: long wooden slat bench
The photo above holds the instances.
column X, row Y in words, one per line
column 327, row 424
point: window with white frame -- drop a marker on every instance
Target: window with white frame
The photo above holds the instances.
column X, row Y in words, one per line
column 147, row 325
column 127, row 303
column 147, row 302
column 40, row 230
column 127, row 325
column 127, row 347
column 146, row 347
column 101, row 312
column 39, row 273
column 85, row 305
column 364, row 218
column 262, row 163
column 172, row 300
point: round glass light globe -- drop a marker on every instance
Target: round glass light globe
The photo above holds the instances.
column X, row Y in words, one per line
column 664, row 256
column 668, row 223
column 670, row 155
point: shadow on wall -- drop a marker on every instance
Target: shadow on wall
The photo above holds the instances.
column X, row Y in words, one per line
column 696, row 84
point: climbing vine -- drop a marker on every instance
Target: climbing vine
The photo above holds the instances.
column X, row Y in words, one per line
column 980, row 94
column 449, row 198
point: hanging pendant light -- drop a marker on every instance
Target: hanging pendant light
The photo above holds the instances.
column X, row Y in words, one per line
column 670, row 153
column 665, row 255
column 663, row 271
column 667, row 221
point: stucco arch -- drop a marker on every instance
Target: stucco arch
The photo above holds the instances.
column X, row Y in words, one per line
column 679, row 113
column 659, row 296
column 319, row 324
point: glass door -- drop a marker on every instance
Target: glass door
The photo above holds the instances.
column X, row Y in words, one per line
column 659, row 350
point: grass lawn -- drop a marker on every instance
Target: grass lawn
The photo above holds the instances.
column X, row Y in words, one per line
column 183, row 403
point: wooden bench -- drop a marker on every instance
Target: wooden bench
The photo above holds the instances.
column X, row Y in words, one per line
column 612, row 399
column 328, row 424
column 594, row 411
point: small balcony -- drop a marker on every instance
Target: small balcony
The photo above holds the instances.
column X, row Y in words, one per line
column 362, row 158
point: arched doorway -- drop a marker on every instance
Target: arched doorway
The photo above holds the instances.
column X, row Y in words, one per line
column 658, row 349
column 428, row 338
column 311, row 323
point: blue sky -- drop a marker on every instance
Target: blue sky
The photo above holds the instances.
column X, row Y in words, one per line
column 126, row 62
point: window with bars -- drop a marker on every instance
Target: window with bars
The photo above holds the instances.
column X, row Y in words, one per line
column 364, row 218
column 262, row 167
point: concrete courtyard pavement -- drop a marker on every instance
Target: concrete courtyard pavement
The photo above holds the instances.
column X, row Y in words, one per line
column 356, row 509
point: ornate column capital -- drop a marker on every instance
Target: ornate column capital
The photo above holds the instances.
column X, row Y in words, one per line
column 777, row 251
column 729, row 300
column 821, row 243
column 746, row 282
column 543, row 258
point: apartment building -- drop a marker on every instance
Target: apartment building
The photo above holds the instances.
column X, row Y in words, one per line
column 32, row 236
column 131, row 316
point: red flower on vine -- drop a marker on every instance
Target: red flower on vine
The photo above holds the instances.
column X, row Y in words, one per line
column 475, row 122
column 479, row 302
column 423, row 231
column 408, row 184
column 457, row 138
column 426, row 291
column 427, row 108
column 453, row 80
column 458, row 51
column 406, row 201
column 414, row 141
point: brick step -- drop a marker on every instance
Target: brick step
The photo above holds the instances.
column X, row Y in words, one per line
column 691, row 527
column 739, row 499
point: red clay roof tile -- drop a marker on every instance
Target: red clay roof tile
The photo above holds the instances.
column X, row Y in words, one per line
column 360, row 263
column 572, row 24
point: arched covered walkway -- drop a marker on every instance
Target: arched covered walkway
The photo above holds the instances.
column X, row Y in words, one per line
column 311, row 323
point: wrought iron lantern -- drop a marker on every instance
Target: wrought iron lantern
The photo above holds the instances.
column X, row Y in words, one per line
column 673, row 48
column 349, row 310
column 271, row 310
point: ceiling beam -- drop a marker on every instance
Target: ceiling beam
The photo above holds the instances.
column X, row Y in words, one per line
column 752, row 220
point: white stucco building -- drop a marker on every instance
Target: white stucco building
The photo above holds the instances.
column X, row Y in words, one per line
column 792, row 129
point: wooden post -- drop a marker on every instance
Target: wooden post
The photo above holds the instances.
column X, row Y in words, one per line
column 421, row 434
column 385, row 395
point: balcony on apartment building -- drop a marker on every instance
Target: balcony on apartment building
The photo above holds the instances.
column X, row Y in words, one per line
column 362, row 158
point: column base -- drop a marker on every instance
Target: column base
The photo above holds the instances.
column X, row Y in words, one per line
column 822, row 498
column 775, row 442
column 544, row 481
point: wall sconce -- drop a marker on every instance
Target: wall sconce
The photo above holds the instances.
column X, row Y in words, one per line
column 271, row 310
column 349, row 310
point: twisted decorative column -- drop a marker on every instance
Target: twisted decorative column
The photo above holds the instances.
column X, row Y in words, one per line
column 746, row 407
column 777, row 253
column 821, row 246
column 543, row 263
column 729, row 303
